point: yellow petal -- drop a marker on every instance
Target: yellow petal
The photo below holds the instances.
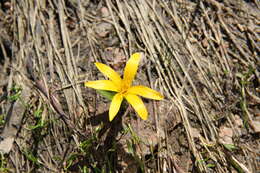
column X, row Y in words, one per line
column 145, row 92
column 131, row 68
column 109, row 72
column 138, row 105
column 115, row 106
column 102, row 85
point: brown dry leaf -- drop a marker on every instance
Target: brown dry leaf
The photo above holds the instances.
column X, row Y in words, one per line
column 195, row 132
column 225, row 135
column 256, row 125
column 205, row 43
column 103, row 29
column 115, row 57
column 238, row 122
column 104, row 12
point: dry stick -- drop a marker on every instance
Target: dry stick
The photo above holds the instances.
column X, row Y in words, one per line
column 73, row 69
column 244, row 108
column 190, row 81
column 155, row 112
column 109, row 5
column 49, row 48
column 14, row 116
column 232, row 38
column 160, row 69
column 234, row 162
column 162, row 30
column 123, row 17
column 164, row 61
column 144, row 36
column 154, row 107
column 71, row 64
column 171, row 73
column 252, row 42
column 53, row 100
column 41, row 86
column 208, row 121
column 47, row 164
column 44, row 89
column 154, row 41
column 219, row 40
column 68, row 71
column 68, row 53
column 70, row 85
column 187, row 125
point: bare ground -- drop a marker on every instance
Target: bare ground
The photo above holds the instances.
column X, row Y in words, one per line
column 202, row 55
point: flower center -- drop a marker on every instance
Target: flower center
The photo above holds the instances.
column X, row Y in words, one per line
column 124, row 88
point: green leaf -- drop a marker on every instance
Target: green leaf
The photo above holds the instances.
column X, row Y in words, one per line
column 210, row 165
column 31, row 157
column 130, row 147
column 38, row 113
column 107, row 94
column 230, row 147
column 35, row 127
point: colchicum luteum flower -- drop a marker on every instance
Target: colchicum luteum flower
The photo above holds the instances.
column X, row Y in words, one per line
column 123, row 87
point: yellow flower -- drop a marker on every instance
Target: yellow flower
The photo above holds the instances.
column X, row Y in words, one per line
column 123, row 87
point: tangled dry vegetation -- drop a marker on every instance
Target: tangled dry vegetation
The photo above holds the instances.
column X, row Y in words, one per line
column 203, row 55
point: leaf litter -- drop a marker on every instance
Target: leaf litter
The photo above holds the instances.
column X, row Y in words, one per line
column 202, row 55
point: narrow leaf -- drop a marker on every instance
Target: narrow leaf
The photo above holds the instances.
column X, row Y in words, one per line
column 107, row 94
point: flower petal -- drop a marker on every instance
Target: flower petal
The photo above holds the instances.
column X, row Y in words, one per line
column 145, row 92
column 102, row 85
column 109, row 72
column 138, row 105
column 131, row 68
column 115, row 106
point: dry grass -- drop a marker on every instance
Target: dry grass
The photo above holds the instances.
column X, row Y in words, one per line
column 203, row 55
